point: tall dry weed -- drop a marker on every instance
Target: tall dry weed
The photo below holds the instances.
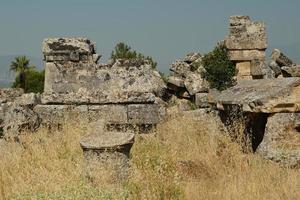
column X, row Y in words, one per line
column 187, row 158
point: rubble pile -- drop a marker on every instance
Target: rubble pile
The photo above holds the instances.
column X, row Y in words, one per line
column 186, row 80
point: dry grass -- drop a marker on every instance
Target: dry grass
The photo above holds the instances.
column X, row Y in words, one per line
column 186, row 159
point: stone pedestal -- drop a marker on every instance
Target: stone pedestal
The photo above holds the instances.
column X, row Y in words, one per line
column 108, row 151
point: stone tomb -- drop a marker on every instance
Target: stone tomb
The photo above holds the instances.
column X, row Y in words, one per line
column 123, row 95
column 247, row 41
column 269, row 109
column 120, row 93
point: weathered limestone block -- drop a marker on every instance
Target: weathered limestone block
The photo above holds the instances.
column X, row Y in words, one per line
column 107, row 151
column 53, row 115
column 18, row 119
column 29, row 99
column 181, row 68
column 69, row 49
column 246, row 55
column 194, row 83
column 9, row 94
column 201, row 100
column 143, row 114
column 293, row 71
column 275, row 67
column 57, row 115
column 95, row 97
column 244, row 68
column 176, row 81
column 111, row 114
column 68, row 45
column 125, row 82
column 281, row 59
column 258, row 68
column 192, row 57
column 246, row 35
column 262, row 95
column 281, row 141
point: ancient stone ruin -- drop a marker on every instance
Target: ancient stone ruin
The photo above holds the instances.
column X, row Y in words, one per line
column 127, row 97
column 247, row 42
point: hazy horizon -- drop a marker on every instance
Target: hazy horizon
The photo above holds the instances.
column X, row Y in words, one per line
column 166, row 30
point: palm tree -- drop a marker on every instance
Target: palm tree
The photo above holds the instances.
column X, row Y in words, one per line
column 20, row 65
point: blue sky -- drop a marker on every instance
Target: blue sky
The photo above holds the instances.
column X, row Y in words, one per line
column 163, row 29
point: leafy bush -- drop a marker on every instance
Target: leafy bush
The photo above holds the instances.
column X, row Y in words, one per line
column 34, row 81
column 220, row 70
column 123, row 51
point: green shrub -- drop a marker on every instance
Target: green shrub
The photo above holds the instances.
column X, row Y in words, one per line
column 219, row 69
column 123, row 51
column 34, row 81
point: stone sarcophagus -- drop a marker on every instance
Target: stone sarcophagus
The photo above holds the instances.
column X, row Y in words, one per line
column 121, row 93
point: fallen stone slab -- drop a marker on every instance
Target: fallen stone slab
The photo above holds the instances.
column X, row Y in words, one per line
column 201, row 100
column 180, row 68
column 281, row 140
column 176, row 81
column 263, row 95
column 275, row 67
column 195, row 83
column 192, row 57
column 281, row 58
column 293, row 71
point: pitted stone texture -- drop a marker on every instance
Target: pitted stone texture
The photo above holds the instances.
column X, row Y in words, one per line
column 29, row 99
column 68, row 46
column 112, row 114
column 192, row 57
column 10, row 94
column 176, row 81
column 257, row 68
column 263, row 95
column 293, row 71
column 246, row 35
column 246, row 55
column 127, row 81
column 194, row 83
column 18, row 119
column 275, row 67
column 143, row 114
column 281, row 59
column 181, row 68
column 201, row 100
column 53, row 115
column 69, row 49
column 281, row 142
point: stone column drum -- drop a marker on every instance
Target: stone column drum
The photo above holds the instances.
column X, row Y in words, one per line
column 108, row 150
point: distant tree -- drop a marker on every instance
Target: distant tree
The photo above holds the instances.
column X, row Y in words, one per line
column 20, row 65
column 123, row 51
column 220, row 70
column 34, row 81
